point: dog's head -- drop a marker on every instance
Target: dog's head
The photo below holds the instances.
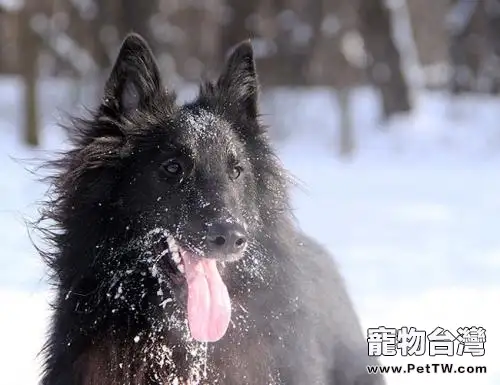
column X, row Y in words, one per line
column 198, row 180
column 190, row 170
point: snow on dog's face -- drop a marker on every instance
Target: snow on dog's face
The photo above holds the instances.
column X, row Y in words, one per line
column 191, row 181
column 186, row 176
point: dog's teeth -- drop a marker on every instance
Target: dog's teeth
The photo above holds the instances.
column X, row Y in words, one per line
column 176, row 257
column 173, row 250
column 171, row 243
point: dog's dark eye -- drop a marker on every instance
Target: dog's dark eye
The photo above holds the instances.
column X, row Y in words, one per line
column 172, row 168
column 236, row 172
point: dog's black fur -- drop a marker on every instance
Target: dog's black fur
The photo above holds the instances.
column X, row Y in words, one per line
column 119, row 316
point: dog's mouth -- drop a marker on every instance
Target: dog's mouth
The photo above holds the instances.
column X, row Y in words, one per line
column 208, row 302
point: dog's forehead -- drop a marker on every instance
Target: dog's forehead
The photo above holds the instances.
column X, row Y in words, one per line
column 204, row 126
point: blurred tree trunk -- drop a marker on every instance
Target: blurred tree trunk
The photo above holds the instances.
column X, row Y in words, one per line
column 431, row 37
column 431, row 40
column 28, row 68
column 87, row 31
column 466, row 26
column 330, row 66
column 187, row 37
column 346, row 130
column 492, row 12
column 384, row 63
column 239, row 26
column 136, row 17
column 285, row 36
column 493, row 24
column 294, row 38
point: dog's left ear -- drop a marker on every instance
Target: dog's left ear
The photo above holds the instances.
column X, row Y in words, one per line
column 238, row 81
column 134, row 82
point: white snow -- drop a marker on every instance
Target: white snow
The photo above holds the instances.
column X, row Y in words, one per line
column 413, row 220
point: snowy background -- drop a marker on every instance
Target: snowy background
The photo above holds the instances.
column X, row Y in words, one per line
column 413, row 219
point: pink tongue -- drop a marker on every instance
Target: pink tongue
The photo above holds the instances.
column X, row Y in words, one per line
column 209, row 306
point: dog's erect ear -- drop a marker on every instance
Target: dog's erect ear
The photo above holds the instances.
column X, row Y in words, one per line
column 135, row 81
column 238, row 81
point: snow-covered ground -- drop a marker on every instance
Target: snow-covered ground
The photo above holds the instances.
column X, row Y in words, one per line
column 413, row 220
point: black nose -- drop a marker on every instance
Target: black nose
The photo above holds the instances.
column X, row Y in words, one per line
column 227, row 238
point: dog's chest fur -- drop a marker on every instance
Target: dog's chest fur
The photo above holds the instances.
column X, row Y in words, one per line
column 231, row 361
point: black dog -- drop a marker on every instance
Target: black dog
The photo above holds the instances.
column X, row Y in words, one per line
column 175, row 254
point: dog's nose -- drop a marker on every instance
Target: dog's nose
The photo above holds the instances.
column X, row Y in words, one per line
column 226, row 238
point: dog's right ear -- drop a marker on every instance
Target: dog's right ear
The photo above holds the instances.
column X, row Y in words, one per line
column 134, row 82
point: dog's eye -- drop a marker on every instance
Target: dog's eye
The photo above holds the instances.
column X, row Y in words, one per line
column 172, row 167
column 236, row 172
